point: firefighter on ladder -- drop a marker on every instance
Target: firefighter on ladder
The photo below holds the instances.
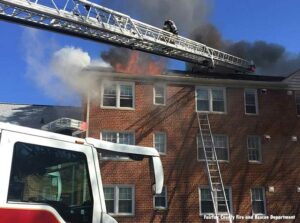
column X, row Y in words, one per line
column 169, row 25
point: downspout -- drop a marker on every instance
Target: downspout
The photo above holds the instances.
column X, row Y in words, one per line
column 88, row 114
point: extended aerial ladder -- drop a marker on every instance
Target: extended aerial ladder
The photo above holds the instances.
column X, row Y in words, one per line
column 92, row 21
column 217, row 189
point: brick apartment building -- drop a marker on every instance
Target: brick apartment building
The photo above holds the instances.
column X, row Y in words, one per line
column 256, row 128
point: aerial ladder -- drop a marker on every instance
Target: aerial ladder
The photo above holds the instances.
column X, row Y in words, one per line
column 91, row 21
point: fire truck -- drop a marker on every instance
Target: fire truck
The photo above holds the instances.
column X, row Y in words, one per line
column 53, row 178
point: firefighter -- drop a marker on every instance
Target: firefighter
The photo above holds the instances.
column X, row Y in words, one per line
column 170, row 26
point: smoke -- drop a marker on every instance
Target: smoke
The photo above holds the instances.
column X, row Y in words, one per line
column 269, row 58
column 59, row 77
column 133, row 62
column 115, row 56
column 191, row 18
column 187, row 14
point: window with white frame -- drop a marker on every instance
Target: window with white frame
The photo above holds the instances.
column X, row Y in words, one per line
column 160, row 200
column 159, row 92
column 251, row 104
column 206, row 202
column 118, row 94
column 117, row 137
column 254, row 148
column 119, row 199
column 160, row 142
column 297, row 99
column 210, row 99
column 258, row 200
column 221, row 147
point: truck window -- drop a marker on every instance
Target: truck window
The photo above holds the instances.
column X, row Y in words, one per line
column 52, row 176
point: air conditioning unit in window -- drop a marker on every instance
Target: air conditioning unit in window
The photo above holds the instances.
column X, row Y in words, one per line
column 263, row 91
column 294, row 138
column 271, row 189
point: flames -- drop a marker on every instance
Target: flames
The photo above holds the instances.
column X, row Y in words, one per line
column 137, row 63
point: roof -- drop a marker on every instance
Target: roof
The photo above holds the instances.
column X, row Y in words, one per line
column 193, row 78
column 293, row 80
column 35, row 116
column 232, row 76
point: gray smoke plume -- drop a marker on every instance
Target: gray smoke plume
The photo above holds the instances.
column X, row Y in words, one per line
column 190, row 17
column 269, row 58
column 116, row 56
column 187, row 14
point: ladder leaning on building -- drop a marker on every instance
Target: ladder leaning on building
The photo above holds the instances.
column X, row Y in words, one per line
column 217, row 190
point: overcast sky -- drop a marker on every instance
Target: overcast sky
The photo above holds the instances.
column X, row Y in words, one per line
column 274, row 21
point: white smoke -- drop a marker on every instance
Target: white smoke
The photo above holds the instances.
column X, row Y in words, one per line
column 58, row 71
column 68, row 63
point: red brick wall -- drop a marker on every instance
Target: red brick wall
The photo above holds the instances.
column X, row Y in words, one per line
column 183, row 174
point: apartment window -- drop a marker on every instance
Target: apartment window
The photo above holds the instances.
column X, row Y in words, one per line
column 251, row 105
column 119, row 200
column 258, row 200
column 118, row 94
column 297, row 98
column 160, row 94
column 160, row 200
column 117, row 137
column 160, row 142
column 210, row 99
column 254, row 148
column 221, row 147
column 206, row 203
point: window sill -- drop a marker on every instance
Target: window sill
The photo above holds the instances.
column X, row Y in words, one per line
column 255, row 162
column 219, row 161
column 212, row 112
column 160, row 209
column 159, row 104
column 251, row 114
column 117, row 108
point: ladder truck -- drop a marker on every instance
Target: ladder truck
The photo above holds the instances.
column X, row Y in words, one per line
column 52, row 178
column 87, row 20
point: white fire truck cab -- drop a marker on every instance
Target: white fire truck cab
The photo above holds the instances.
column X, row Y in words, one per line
column 52, row 178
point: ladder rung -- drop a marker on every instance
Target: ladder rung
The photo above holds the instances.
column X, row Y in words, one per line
column 216, row 190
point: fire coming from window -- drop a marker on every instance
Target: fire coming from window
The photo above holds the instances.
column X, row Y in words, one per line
column 134, row 62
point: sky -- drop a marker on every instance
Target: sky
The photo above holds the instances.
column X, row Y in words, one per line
column 274, row 21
